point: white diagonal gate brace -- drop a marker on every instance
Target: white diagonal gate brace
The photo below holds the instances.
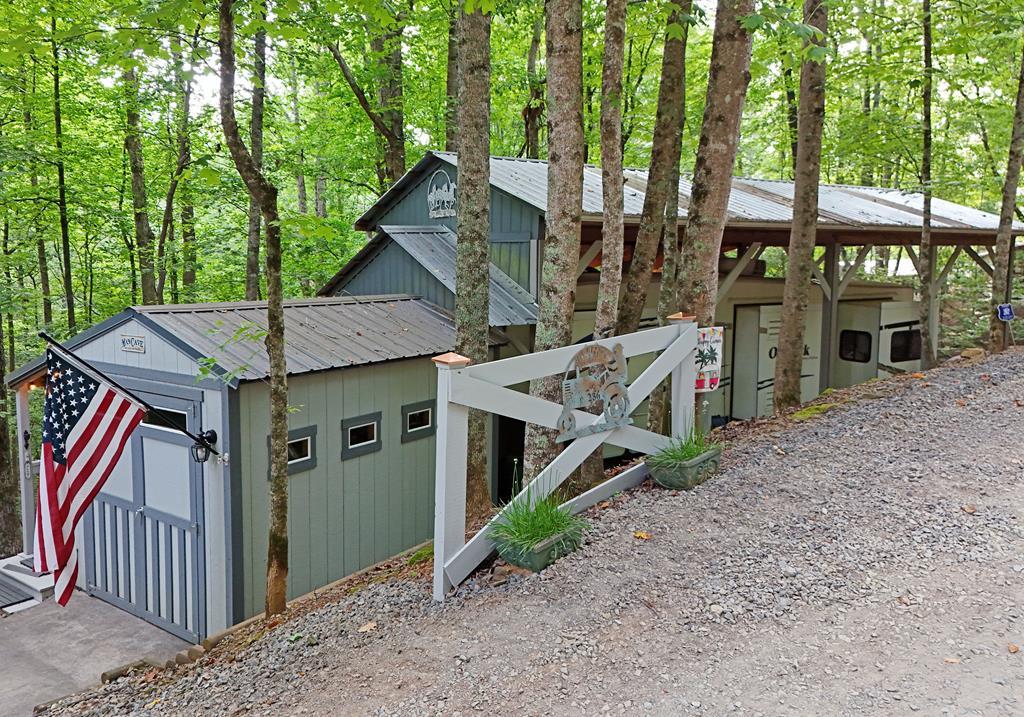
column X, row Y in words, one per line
column 461, row 387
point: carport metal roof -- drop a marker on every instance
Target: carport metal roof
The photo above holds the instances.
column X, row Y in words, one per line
column 754, row 204
column 320, row 334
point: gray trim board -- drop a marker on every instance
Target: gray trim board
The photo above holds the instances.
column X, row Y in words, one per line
column 362, row 450
column 306, row 464
column 178, row 379
column 233, row 509
column 185, row 348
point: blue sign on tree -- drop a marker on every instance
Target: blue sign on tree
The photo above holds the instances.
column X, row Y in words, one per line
column 1005, row 312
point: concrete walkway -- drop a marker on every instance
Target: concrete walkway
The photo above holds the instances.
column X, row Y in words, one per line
column 48, row 651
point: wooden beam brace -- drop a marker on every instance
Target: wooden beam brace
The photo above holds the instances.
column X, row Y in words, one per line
column 949, row 265
column 913, row 258
column 751, row 254
column 862, row 255
column 978, row 259
column 588, row 256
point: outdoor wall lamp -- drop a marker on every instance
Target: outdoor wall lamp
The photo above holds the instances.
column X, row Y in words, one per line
column 202, row 448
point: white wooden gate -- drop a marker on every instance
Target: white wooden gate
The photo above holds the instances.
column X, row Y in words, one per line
column 461, row 387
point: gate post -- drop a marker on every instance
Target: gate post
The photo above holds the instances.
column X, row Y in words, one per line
column 451, row 445
column 684, row 383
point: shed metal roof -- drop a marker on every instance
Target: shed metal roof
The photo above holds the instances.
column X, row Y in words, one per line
column 320, row 334
column 752, row 202
column 434, row 248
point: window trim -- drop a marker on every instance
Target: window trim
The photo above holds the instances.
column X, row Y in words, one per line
column 418, row 433
column 308, row 440
column 299, row 465
column 870, row 346
column 360, row 449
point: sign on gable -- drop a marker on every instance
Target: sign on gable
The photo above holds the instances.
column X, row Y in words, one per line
column 133, row 344
column 441, row 195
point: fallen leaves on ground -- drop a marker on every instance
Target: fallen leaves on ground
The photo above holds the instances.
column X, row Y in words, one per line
column 952, row 660
column 917, row 374
column 641, row 535
column 970, row 509
column 371, row 625
column 1012, row 649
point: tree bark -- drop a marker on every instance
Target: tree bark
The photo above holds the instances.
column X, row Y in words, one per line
column 667, row 127
column 320, row 196
column 472, row 271
column 926, row 271
column 451, row 80
column 728, row 78
column 803, row 234
column 565, row 202
column 266, row 194
column 300, row 176
column 144, row 239
column 62, row 199
column 533, row 112
column 33, row 178
column 612, row 227
column 1002, row 275
column 259, row 94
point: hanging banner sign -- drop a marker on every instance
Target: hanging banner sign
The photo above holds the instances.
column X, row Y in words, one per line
column 1005, row 312
column 708, row 360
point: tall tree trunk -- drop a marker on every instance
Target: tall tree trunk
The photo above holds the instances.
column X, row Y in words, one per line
column 144, row 239
column 62, row 199
column 792, row 112
column 259, row 93
column 188, row 244
column 728, row 78
column 667, row 290
column 33, row 178
column 927, row 252
column 612, row 227
column 533, row 112
column 10, row 489
column 667, row 127
column 320, row 196
column 473, row 261
column 803, row 234
column 266, row 195
column 126, row 238
column 565, row 203
column 300, row 176
column 1002, row 275
column 451, row 80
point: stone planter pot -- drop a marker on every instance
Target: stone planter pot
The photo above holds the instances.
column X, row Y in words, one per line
column 689, row 474
column 542, row 554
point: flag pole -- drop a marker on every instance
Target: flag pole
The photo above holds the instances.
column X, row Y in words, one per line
column 104, row 377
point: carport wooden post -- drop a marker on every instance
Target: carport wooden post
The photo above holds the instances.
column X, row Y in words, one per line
column 450, row 461
column 829, row 310
column 28, row 508
column 684, row 379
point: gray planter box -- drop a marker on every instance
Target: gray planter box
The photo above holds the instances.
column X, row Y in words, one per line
column 542, row 554
column 688, row 475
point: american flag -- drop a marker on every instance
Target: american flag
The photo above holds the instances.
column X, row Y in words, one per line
column 86, row 424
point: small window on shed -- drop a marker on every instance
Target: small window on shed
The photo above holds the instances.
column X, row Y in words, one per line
column 301, row 450
column 166, row 418
column 360, row 435
column 855, row 346
column 417, row 421
column 905, row 346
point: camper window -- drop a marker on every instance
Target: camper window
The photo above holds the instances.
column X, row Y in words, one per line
column 905, row 346
column 855, row 346
column 417, row 420
column 360, row 435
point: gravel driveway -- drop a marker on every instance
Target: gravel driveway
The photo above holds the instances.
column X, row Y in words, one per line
column 867, row 562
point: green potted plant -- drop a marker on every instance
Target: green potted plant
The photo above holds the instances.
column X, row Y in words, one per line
column 534, row 534
column 686, row 462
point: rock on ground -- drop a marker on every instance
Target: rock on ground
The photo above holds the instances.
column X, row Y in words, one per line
column 866, row 562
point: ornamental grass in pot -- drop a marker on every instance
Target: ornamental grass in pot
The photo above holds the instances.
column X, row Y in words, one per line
column 533, row 535
column 685, row 463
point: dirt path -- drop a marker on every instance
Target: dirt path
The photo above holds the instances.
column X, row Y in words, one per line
column 867, row 562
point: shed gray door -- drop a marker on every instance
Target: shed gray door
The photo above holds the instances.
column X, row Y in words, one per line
column 143, row 534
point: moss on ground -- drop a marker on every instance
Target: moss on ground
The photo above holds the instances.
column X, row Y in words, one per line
column 421, row 556
column 812, row 411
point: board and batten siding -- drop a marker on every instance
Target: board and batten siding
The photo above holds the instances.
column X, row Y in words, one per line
column 138, row 371
column 343, row 515
column 393, row 271
column 514, row 224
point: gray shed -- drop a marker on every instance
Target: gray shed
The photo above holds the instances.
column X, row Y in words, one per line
column 183, row 544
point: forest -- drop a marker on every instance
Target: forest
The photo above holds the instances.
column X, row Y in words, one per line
column 118, row 185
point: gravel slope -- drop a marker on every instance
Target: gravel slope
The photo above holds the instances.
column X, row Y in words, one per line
column 866, row 562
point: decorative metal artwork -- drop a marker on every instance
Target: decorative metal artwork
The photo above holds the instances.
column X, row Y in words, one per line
column 596, row 377
column 442, row 195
